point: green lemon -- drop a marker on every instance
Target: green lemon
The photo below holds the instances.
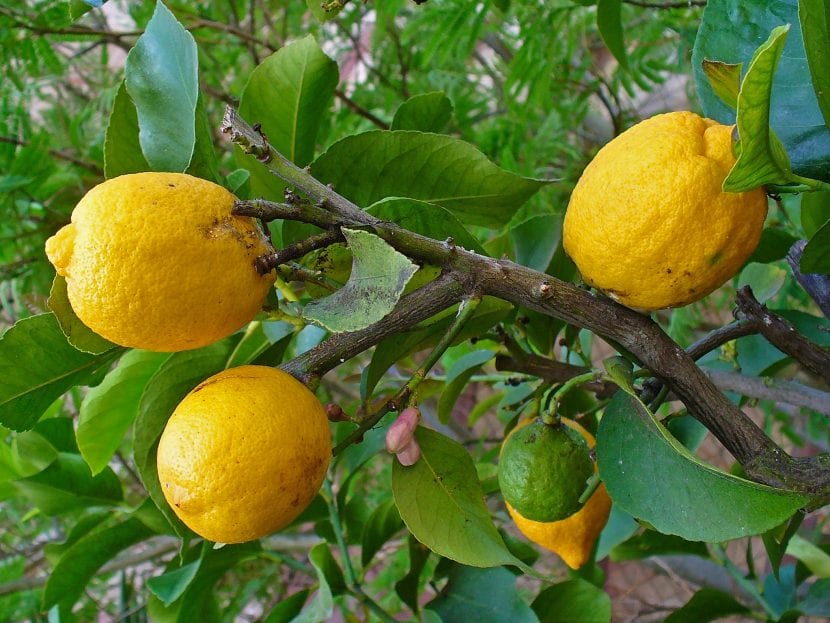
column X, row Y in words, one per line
column 543, row 470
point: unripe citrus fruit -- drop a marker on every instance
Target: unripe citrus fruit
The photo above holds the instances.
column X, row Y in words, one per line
column 244, row 453
column 572, row 538
column 543, row 470
column 648, row 223
column 157, row 261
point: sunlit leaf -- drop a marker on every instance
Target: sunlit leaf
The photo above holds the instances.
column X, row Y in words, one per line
column 654, row 478
column 162, row 80
column 37, row 366
column 379, row 276
column 441, row 502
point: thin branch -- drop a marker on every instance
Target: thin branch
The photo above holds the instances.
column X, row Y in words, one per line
column 416, row 307
column 357, row 108
column 787, row 392
column 781, row 334
column 267, row 263
column 760, row 456
column 551, row 371
column 92, row 168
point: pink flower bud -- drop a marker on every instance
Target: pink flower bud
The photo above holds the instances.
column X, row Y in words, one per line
column 410, row 454
column 401, row 431
column 335, row 413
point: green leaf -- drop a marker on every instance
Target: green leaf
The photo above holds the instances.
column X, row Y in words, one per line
column 427, row 112
column 609, row 23
column 37, row 366
column 813, row 557
column 730, row 32
column 536, row 240
column 764, row 279
column 761, row 158
column 322, row 606
column 489, row 312
column 288, row 608
column 108, row 410
column 776, row 540
column 814, row 17
column 654, row 478
column 77, row 333
column 652, row 543
column 122, row 149
column 574, row 600
column 381, row 526
column 457, row 378
column 431, row 167
column 197, row 603
column 171, row 585
column 725, row 80
column 816, row 255
column 79, row 563
column 203, row 163
column 379, row 276
column 708, row 604
column 441, row 503
column 621, row 372
column 179, row 374
column 815, row 211
column 162, row 79
column 483, row 596
column 774, row 245
column 289, row 94
column 426, row 219
column 408, row 587
column 67, row 484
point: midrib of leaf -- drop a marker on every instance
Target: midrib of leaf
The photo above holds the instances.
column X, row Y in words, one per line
column 296, row 120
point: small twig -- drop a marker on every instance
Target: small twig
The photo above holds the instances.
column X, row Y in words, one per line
column 92, row 168
column 552, row 371
column 781, row 334
column 267, row 263
column 360, row 110
column 787, row 392
column 465, row 311
column 703, row 346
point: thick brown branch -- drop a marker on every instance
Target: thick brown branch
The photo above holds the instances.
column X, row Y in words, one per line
column 787, row 392
column 551, row 371
column 638, row 334
column 416, row 307
column 783, row 335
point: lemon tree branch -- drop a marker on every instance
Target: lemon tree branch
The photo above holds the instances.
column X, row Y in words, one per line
column 762, row 459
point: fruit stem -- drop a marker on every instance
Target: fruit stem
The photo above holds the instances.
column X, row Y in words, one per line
column 550, row 416
column 810, row 183
column 401, row 399
column 285, row 290
column 590, row 486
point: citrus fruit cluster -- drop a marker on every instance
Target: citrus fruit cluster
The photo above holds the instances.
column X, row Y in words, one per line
column 158, row 261
column 648, row 222
column 574, row 532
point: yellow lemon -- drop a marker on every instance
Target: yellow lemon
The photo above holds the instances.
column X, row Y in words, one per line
column 157, row 261
column 244, row 454
column 648, row 223
column 572, row 538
